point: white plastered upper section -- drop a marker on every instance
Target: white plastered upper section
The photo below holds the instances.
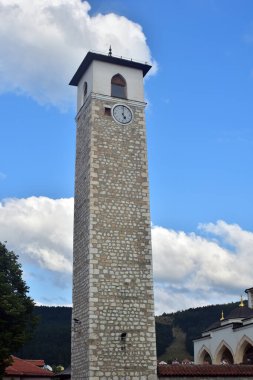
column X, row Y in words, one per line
column 98, row 77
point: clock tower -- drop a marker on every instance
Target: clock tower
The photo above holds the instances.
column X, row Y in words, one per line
column 113, row 328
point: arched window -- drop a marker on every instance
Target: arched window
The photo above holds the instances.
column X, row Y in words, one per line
column 85, row 89
column 118, row 86
column 224, row 354
column 227, row 357
column 204, row 356
column 248, row 355
column 244, row 351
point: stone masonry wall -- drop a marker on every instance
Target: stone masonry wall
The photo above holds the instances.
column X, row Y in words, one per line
column 113, row 290
column 81, row 260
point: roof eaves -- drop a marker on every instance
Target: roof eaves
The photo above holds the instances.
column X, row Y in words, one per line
column 106, row 58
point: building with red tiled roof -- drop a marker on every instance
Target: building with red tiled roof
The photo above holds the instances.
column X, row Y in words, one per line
column 25, row 369
column 38, row 362
column 229, row 340
column 181, row 371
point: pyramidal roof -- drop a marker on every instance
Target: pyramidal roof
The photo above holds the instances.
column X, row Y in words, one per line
column 237, row 315
column 240, row 312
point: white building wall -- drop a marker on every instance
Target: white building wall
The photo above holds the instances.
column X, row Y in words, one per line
column 98, row 78
column 87, row 77
column 250, row 297
column 231, row 338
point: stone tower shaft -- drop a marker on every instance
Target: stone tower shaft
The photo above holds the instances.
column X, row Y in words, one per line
column 113, row 335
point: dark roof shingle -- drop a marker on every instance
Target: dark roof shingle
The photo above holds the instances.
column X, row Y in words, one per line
column 240, row 312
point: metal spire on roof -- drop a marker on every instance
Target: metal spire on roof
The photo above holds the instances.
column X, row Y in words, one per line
column 241, row 303
column 110, row 51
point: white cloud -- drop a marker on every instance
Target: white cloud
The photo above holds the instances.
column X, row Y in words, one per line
column 44, row 41
column 170, row 298
column 40, row 231
column 190, row 270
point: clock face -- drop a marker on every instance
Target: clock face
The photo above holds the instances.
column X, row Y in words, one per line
column 122, row 114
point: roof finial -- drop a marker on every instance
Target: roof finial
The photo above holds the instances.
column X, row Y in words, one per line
column 110, row 51
column 222, row 316
column 241, row 303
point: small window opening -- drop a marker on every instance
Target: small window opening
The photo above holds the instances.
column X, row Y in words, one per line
column 118, row 86
column 85, row 89
column 107, row 111
column 77, row 325
column 123, row 337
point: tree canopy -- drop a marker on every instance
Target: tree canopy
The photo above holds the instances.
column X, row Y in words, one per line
column 16, row 307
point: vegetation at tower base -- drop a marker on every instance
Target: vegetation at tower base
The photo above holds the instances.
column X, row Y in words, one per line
column 174, row 333
column 16, row 307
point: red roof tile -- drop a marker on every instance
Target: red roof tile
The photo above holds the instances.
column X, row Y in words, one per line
column 193, row 370
column 22, row 367
column 38, row 362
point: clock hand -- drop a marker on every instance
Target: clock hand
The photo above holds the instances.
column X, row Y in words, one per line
column 123, row 113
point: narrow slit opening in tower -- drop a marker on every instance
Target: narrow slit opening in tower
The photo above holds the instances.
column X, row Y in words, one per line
column 123, row 337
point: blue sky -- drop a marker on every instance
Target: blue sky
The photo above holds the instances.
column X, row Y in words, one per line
column 200, row 138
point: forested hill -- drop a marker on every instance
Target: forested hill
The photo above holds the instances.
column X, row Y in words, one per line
column 174, row 333
column 188, row 325
column 51, row 338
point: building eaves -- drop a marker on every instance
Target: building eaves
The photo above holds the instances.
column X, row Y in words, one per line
column 144, row 67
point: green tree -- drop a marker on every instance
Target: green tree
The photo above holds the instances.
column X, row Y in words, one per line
column 16, row 307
